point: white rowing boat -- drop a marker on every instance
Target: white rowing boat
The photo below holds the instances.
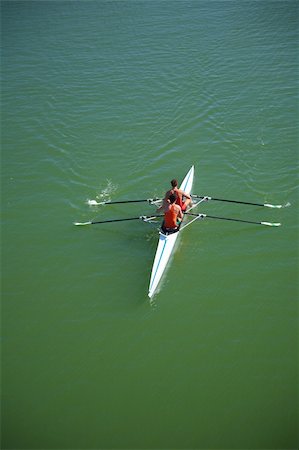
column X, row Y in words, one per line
column 167, row 242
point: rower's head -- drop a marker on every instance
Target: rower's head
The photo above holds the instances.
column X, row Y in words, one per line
column 172, row 198
column 174, row 183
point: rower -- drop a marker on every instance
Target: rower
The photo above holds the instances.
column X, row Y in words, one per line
column 173, row 215
column 183, row 199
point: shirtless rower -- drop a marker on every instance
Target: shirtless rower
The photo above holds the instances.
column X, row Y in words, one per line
column 183, row 199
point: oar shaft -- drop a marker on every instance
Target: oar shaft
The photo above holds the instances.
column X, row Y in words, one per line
column 115, row 220
column 203, row 216
column 144, row 218
column 124, row 201
column 233, row 220
column 149, row 200
column 236, row 201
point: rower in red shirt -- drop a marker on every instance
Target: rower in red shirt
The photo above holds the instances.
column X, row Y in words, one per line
column 173, row 214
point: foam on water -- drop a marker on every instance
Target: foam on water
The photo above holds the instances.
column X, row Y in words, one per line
column 104, row 195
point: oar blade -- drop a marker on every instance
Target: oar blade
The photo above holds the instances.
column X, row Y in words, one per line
column 82, row 223
column 268, row 205
column 270, row 224
column 94, row 203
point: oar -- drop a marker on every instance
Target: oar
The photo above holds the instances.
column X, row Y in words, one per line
column 95, row 203
column 203, row 216
column 205, row 197
column 144, row 218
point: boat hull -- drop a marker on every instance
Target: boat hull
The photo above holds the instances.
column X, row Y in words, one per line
column 166, row 243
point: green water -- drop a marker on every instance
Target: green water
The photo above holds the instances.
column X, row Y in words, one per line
column 111, row 100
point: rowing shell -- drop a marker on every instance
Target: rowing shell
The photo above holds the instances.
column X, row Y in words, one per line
column 166, row 243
